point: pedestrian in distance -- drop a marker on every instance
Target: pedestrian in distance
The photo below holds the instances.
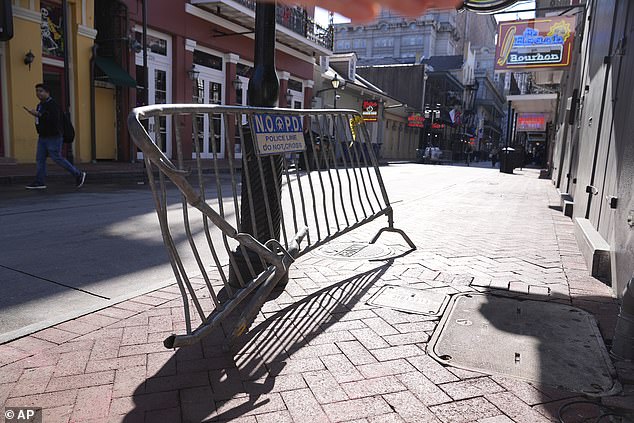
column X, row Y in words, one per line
column 494, row 157
column 49, row 124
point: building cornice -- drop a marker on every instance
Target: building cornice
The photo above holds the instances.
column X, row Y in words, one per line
column 27, row 14
column 87, row 32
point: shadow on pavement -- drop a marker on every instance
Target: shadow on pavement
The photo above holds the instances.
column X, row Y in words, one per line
column 235, row 384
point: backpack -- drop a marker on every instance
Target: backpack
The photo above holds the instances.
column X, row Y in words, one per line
column 68, row 132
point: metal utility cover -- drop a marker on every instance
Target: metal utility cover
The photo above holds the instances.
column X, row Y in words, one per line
column 541, row 342
column 419, row 301
column 354, row 251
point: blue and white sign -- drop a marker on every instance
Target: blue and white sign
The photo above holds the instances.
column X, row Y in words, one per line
column 278, row 134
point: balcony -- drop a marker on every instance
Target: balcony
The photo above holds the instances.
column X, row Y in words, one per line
column 295, row 29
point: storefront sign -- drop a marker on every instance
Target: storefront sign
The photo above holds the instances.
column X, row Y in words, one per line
column 277, row 134
column 535, row 43
column 531, row 122
column 370, row 110
column 438, row 126
column 416, row 120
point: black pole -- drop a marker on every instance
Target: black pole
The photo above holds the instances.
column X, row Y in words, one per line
column 146, row 78
column 69, row 151
column 504, row 157
column 93, row 107
column 263, row 91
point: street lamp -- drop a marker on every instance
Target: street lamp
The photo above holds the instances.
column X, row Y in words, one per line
column 335, row 82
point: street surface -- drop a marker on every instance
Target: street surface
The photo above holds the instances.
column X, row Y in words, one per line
column 317, row 351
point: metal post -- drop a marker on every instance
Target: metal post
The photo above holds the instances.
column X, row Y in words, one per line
column 65, row 32
column 504, row 162
column 146, row 78
column 262, row 92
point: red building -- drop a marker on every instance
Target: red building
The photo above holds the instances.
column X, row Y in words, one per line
column 201, row 51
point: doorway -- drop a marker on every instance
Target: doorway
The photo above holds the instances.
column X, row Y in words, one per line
column 208, row 89
column 159, row 90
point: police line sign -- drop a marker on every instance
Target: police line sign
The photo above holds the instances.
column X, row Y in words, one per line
column 278, row 134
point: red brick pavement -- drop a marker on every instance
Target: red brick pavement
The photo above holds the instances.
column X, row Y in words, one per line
column 319, row 352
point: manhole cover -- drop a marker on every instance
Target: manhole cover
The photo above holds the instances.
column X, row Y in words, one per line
column 420, row 301
column 541, row 342
column 354, row 251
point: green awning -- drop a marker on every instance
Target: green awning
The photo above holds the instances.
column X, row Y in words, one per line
column 114, row 73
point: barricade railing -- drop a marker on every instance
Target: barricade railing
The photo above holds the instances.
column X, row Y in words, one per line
column 232, row 231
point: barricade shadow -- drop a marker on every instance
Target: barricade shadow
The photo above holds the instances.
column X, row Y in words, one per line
column 244, row 380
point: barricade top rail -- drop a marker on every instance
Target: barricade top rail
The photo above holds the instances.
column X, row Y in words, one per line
column 252, row 197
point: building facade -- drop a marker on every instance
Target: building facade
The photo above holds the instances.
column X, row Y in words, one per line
column 42, row 51
column 593, row 159
column 197, row 51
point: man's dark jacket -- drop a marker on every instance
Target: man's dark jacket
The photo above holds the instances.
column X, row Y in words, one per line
column 49, row 122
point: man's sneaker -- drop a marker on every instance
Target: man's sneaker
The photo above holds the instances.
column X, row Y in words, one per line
column 35, row 185
column 80, row 179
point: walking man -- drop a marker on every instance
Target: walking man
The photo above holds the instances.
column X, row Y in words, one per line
column 48, row 122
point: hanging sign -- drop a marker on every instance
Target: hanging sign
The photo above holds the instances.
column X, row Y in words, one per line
column 534, row 43
column 531, row 122
column 416, row 120
column 277, row 134
column 370, row 110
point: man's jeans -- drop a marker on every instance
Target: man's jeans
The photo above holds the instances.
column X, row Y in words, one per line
column 51, row 146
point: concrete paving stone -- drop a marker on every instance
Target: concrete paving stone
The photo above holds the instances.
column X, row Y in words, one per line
column 197, row 404
column 125, row 350
column 373, row 387
column 313, row 351
column 79, row 328
column 45, row 401
column 270, row 384
column 380, row 326
column 523, row 390
column 72, row 363
column 354, row 315
column 386, row 418
column 245, row 406
column 164, row 415
column 143, row 402
column 59, row 414
column 117, row 312
column 424, row 389
column 227, row 383
column 515, row 408
column 103, row 333
column 43, row 340
column 178, row 381
column 356, row 352
column 92, row 403
column 385, row 368
column 393, row 353
column 11, row 374
column 368, row 338
column 9, row 354
column 357, row 408
column 154, row 337
column 324, row 387
column 497, row 419
column 135, row 335
column 98, row 320
column 129, row 381
column 465, row 411
column 407, row 338
column 275, row 417
column 303, row 406
column 409, row 408
column 149, row 300
column 300, row 365
column 471, row 388
column 115, row 363
column 331, row 337
column 80, row 381
column 341, row 368
column 105, row 348
column 464, row 374
column 33, row 381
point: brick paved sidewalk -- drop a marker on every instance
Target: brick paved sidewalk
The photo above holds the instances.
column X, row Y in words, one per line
column 318, row 352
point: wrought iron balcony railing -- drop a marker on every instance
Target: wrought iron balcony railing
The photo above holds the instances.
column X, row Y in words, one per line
column 297, row 20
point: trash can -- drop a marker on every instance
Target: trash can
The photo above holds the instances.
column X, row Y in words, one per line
column 507, row 162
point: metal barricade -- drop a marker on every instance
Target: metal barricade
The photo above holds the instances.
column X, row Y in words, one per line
column 331, row 188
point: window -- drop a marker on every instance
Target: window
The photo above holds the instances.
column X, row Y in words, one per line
column 359, row 43
column 384, row 42
column 207, row 60
column 412, row 40
column 295, row 85
column 155, row 44
column 343, row 45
